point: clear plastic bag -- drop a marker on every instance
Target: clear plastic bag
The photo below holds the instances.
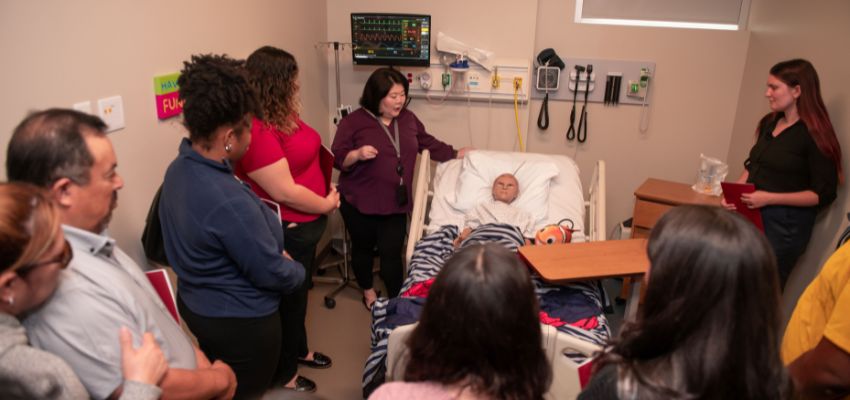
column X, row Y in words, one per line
column 711, row 172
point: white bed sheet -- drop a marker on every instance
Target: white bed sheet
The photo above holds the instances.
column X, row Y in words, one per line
column 566, row 198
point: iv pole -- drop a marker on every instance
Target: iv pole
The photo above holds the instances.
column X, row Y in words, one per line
column 341, row 111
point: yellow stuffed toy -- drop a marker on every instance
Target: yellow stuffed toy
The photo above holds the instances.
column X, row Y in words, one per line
column 555, row 233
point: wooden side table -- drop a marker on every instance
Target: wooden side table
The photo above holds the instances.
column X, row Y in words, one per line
column 652, row 200
column 655, row 197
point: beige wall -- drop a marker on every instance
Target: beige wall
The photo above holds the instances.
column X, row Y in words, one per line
column 505, row 27
column 56, row 53
column 787, row 29
column 694, row 94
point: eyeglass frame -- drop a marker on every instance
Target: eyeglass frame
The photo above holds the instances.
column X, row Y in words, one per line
column 63, row 259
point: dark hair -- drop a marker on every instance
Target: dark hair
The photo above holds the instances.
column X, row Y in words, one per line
column 215, row 92
column 377, row 87
column 710, row 322
column 49, row 145
column 28, row 224
column 480, row 328
column 273, row 75
column 810, row 106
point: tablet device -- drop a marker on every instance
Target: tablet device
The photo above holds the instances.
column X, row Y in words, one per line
column 732, row 194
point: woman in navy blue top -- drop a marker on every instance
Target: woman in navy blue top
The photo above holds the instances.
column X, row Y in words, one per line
column 225, row 245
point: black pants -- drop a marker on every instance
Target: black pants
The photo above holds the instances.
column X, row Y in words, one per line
column 300, row 242
column 788, row 229
column 251, row 346
column 367, row 231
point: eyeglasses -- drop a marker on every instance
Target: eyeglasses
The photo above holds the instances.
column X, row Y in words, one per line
column 63, row 259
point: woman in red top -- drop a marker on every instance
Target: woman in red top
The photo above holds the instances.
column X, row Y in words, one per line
column 282, row 166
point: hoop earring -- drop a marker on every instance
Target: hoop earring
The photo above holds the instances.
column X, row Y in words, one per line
column 228, row 147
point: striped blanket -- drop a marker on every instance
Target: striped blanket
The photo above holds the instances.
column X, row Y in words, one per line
column 430, row 255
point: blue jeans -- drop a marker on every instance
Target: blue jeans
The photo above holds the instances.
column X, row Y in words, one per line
column 788, row 229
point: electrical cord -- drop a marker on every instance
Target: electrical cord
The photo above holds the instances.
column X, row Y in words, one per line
column 543, row 118
column 582, row 123
column 516, row 116
column 571, row 132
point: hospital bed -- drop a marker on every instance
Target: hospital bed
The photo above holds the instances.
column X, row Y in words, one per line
column 437, row 195
column 550, row 179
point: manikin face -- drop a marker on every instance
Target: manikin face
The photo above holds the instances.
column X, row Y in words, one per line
column 393, row 102
column 780, row 96
column 505, row 188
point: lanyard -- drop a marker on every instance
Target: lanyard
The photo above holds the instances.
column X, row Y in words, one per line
column 396, row 144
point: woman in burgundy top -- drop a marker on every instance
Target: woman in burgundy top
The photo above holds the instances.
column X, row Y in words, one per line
column 282, row 166
column 375, row 149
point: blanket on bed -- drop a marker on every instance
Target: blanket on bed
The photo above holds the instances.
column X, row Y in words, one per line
column 575, row 308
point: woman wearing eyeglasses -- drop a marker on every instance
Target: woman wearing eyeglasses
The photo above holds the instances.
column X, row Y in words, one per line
column 33, row 252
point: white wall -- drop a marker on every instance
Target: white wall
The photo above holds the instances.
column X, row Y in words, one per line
column 56, row 53
column 781, row 30
column 694, row 95
column 505, row 27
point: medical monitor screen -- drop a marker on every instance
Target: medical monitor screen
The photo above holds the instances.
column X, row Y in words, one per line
column 391, row 39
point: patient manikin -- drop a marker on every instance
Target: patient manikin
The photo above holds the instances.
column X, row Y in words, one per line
column 499, row 210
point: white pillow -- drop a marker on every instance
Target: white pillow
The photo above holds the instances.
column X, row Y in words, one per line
column 481, row 168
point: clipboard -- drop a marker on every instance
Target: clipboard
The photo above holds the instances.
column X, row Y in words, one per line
column 732, row 194
column 162, row 286
column 326, row 163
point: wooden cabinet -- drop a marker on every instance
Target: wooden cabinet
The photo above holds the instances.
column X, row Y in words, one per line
column 655, row 197
column 652, row 200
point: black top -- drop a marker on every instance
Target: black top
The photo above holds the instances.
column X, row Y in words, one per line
column 791, row 162
column 603, row 385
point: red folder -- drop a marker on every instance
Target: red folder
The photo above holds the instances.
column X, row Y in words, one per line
column 159, row 281
column 326, row 162
column 732, row 194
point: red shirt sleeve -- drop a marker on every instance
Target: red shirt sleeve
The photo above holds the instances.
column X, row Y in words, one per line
column 265, row 149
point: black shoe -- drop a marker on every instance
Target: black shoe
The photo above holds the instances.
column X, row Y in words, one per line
column 319, row 361
column 303, row 385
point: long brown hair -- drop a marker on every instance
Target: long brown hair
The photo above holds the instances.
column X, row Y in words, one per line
column 810, row 106
column 28, row 224
column 274, row 76
column 710, row 324
column 480, row 328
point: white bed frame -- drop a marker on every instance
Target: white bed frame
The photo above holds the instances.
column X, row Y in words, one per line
column 422, row 193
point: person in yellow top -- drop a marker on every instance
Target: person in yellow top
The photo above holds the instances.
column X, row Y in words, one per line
column 816, row 346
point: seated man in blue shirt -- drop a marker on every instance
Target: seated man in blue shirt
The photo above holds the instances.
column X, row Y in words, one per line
column 68, row 153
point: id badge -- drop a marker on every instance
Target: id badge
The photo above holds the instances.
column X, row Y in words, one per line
column 401, row 195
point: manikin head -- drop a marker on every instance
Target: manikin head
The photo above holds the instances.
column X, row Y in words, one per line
column 505, row 188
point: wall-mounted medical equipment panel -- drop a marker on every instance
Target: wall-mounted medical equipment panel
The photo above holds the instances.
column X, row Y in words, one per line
column 508, row 80
column 611, row 82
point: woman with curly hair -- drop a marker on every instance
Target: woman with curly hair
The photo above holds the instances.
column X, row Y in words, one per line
column 282, row 166
column 225, row 245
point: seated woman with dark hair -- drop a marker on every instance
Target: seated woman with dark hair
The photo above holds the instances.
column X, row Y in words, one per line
column 709, row 327
column 33, row 254
column 488, row 348
column 225, row 245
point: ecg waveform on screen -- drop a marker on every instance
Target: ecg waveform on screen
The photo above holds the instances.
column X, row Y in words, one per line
column 390, row 37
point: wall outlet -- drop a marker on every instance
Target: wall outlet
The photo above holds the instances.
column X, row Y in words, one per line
column 111, row 111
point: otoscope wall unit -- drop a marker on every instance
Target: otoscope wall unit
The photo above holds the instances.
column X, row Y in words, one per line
column 440, row 82
column 636, row 79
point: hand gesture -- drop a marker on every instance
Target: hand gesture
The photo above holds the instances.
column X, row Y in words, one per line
column 221, row 367
column 366, row 152
column 463, row 151
column 757, row 199
column 726, row 205
column 333, row 199
column 145, row 364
